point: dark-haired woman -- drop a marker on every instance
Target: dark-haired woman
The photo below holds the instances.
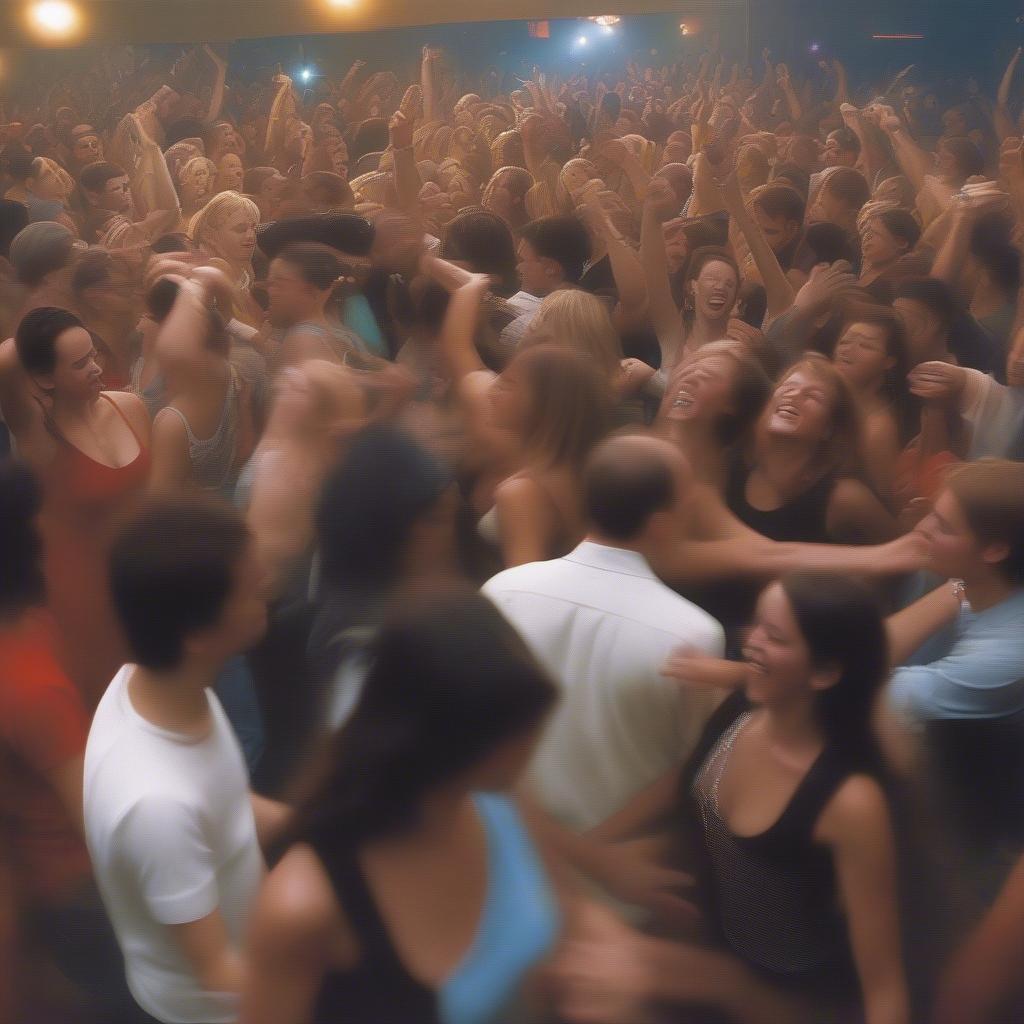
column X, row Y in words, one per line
column 43, row 728
column 205, row 433
column 303, row 280
column 793, row 836
column 90, row 448
column 888, row 240
column 413, row 891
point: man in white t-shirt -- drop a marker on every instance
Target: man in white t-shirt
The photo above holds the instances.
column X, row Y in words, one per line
column 603, row 625
column 170, row 823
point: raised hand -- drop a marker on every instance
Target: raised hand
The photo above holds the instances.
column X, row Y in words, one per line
column 400, row 130
column 825, row 283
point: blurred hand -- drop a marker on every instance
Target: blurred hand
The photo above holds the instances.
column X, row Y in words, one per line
column 826, row 281
column 937, row 382
column 400, row 130
column 634, row 377
column 662, row 200
column 695, row 668
column 740, row 330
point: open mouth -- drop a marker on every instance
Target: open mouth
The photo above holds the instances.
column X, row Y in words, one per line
column 788, row 411
column 716, row 305
column 683, row 400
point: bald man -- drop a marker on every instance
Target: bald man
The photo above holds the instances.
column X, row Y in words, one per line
column 603, row 625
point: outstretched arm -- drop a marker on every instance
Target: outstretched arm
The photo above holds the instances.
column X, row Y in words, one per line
column 1003, row 120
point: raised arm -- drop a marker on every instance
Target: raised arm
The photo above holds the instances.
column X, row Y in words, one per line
column 1003, row 120
column 627, row 271
column 777, row 286
column 668, row 324
column 220, row 77
column 913, row 160
column 407, row 177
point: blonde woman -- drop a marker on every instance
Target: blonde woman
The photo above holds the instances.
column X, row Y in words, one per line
column 195, row 188
column 225, row 229
column 578, row 320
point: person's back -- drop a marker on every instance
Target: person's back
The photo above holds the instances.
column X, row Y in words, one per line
column 603, row 625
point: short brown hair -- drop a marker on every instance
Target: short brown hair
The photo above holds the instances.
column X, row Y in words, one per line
column 990, row 493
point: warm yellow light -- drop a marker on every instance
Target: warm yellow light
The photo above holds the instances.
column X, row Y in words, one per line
column 684, row 28
column 342, row 3
column 56, row 19
column 605, row 20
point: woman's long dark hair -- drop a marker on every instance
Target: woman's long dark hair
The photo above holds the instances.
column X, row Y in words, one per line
column 841, row 623
column 450, row 681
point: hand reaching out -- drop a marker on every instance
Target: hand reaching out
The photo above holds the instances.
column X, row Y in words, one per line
column 693, row 668
column 937, row 382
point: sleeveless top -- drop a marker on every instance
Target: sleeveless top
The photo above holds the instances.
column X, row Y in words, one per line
column 518, row 927
column 341, row 340
column 804, row 518
column 213, row 458
column 80, row 485
column 774, row 895
column 153, row 394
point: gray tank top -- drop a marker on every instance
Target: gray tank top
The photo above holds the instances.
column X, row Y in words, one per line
column 213, row 458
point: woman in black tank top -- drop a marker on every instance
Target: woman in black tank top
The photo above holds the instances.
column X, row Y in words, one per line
column 788, row 825
column 801, row 482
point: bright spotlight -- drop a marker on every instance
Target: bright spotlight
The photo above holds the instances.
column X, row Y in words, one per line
column 56, row 19
column 815, row 47
column 608, row 30
column 582, row 41
column 305, row 74
column 342, row 3
column 684, row 28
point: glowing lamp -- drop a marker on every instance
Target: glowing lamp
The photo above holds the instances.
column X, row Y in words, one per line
column 53, row 19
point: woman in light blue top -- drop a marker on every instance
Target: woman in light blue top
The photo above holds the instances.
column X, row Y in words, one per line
column 412, row 891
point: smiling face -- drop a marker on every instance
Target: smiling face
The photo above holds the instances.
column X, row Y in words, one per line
column 704, row 390
column 714, row 290
column 77, row 375
column 801, row 408
column 235, row 238
column 862, row 354
column 779, row 667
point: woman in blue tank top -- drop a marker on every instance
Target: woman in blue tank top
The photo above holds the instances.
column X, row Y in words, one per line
column 412, row 892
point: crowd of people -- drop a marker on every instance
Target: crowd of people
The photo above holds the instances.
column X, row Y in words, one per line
column 481, row 550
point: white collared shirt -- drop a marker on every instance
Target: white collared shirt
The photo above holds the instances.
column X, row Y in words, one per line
column 602, row 624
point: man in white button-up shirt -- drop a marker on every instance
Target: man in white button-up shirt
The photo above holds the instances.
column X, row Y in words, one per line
column 603, row 624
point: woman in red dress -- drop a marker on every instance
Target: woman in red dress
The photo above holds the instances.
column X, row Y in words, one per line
column 90, row 447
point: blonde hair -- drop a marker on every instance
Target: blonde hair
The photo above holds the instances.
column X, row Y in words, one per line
column 575, row 319
column 189, row 165
column 44, row 163
column 222, row 206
